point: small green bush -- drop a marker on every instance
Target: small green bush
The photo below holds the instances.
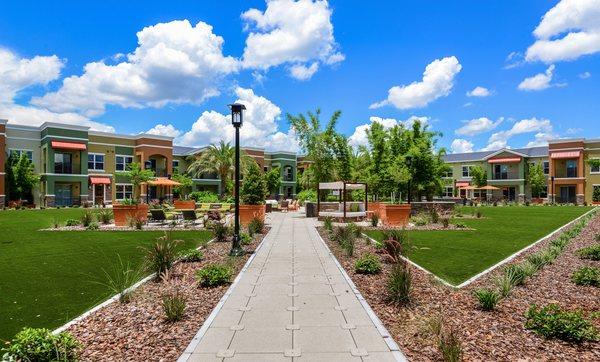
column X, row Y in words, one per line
column 445, row 222
column 487, row 298
column 220, row 231
column 39, row 344
column 87, row 218
column 93, row 226
column 174, row 306
column 460, row 225
column 590, row 252
column 204, row 196
column 420, row 220
column 553, row 322
column 516, row 274
column 306, row 195
column 256, row 226
column 328, row 223
column 399, row 284
column 368, row 264
column 214, row 275
column 246, row 239
column 191, row 255
column 450, row 346
column 504, row 284
column 136, row 222
column 105, row 216
column 161, row 256
column 72, row 222
column 537, row 259
column 586, row 276
column 374, row 219
column 355, row 229
column 348, row 245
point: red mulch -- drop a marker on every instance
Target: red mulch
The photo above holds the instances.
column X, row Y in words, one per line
column 138, row 331
column 497, row 335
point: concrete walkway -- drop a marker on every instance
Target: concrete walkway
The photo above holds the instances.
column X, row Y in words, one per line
column 292, row 302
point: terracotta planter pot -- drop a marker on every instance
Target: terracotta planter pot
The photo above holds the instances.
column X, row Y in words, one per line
column 536, row 200
column 395, row 215
column 374, row 206
column 184, row 204
column 122, row 213
column 249, row 212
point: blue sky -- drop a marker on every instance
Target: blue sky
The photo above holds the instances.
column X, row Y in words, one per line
column 292, row 57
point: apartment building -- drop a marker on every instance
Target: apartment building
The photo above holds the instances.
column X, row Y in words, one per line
column 78, row 165
column 570, row 178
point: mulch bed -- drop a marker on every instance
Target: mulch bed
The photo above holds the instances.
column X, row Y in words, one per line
column 497, row 335
column 138, row 331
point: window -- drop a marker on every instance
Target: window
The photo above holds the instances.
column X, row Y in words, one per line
column 466, row 171
column 265, row 168
column 96, row 161
column 500, row 172
column 448, row 174
column 62, row 163
column 175, row 164
column 595, row 168
column 448, row 191
column 123, row 191
column 288, row 174
column 17, row 154
column 571, row 168
column 546, row 167
column 122, row 162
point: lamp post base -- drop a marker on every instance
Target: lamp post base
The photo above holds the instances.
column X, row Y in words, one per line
column 236, row 247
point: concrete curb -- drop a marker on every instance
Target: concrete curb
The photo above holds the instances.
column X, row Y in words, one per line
column 110, row 300
column 387, row 337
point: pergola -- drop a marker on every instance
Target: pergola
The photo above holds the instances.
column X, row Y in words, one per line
column 166, row 183
column 342, row 187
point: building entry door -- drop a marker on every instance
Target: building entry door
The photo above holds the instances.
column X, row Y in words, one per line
column 509, row 193
column 63, row 194
column 567, row 194
column 99, row 194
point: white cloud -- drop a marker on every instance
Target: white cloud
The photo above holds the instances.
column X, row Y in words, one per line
column 16, row 74
column 302, row 72
column 542, row 127
column 567, row 31
column 438, row 80
column 479, row 92
column 539, row 81
column 359, row 137
column 174, row 63
column 585, row 75
column 477, row 126
column 572, row 131
column 259, row 128
column 296, row 32
column 164, row 130
column 460, row 145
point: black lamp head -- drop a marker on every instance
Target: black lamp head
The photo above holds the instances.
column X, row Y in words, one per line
column 237, row 110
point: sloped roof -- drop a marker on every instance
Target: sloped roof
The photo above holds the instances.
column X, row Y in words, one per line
column 184, row 151
column 481, row 155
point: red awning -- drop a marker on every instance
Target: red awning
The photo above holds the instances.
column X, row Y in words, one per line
column 505, row 160
column 100, row 180
column 462, row 184
column 69, row 145
column 566, row 154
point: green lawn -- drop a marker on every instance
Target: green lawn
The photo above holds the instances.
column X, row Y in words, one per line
column 456, row 256
column 46, row 278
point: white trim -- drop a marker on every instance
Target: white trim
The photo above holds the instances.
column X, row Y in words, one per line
column 507, row 180
column 592, row 149
column 124, row 162
column 21, row 127
column 125, row 184
column 2, row 134
column 284, row 159
column 156, row 146
column 100, row 174
column 23, row 138
column 206, row 179
column 109, row 144
column 63, row 126
column 2, row 195
column 597, row 172
column 64, row 174
column 2, row 173
column 567, row 140
column 504, row 150
column 64, row 137
column 565, row 178
column 96, row 154
column 511, row 257
column 565, row 149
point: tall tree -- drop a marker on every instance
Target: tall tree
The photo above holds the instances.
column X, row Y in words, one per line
column 217, row 159
column 536, row 179
column 273, row 180
column 137, row 175
column 25, row 178
column 479, row 176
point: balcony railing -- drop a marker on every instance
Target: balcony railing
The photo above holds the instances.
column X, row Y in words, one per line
column 505, row 175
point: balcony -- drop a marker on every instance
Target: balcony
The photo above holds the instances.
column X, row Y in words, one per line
column 505, row 176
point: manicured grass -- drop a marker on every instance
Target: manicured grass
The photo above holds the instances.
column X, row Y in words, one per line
column 456, row 256
column 47, row 277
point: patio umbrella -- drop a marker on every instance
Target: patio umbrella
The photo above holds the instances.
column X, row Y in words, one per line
column 489, row 187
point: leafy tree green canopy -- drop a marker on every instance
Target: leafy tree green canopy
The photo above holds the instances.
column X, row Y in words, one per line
column 479, row 176
column 20, row 177
column 253, row 188
column 536, row 179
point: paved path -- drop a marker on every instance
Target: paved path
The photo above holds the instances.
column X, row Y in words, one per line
column 292, row 303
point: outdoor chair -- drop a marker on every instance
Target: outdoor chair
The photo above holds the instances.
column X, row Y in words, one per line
column 284, row 206
column 189, row 216
column 158, row 215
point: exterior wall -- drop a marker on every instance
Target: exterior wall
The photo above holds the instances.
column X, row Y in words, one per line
column 558, row 170
column 283, row 160
column 592, row 151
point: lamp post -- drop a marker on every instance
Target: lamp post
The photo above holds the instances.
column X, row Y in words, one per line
column 409, row 165
column 553, row 192
column 237, row 111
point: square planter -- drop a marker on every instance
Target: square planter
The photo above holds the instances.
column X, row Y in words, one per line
column 394, row 215
column 184, row 204
column 122, row 213
column 249, row 212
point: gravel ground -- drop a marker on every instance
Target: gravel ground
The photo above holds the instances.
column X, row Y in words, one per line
column 497, row 335
column 137, row 331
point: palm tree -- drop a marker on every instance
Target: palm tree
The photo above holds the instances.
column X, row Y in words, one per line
column 218, row 159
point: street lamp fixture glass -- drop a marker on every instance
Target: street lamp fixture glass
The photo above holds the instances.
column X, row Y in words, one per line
column 237, row 110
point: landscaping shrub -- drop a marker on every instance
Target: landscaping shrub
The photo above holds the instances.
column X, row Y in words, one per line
column 213, row 275
column 204, row 196
column 553, row 322
column 220, row 231
column 174, row 306
column 105, row 216
column 191, row 255
column 340, row 234
column 586, row 276
column 445, row 222
column 504, row 284
column 590, row 252
column 306, row 195
column 72, row 222
column 529, row 269
column 93, row 226
column 460, row 225
column 328, row 223
column 39, row 344
column 119, row 278
column 478, row 214
column 55, row 223
column 537, row 259
column 487, row 298
column 256, row 226
column 399, row 283
column 395, row 244
column 87, row 218
column 450, row 347
column 368, row 264
column 246, row 239
column 516, row 274
column 161, row 256
column 355, row 230
column 374, row 219
column 136, row 222
column 420, row 220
